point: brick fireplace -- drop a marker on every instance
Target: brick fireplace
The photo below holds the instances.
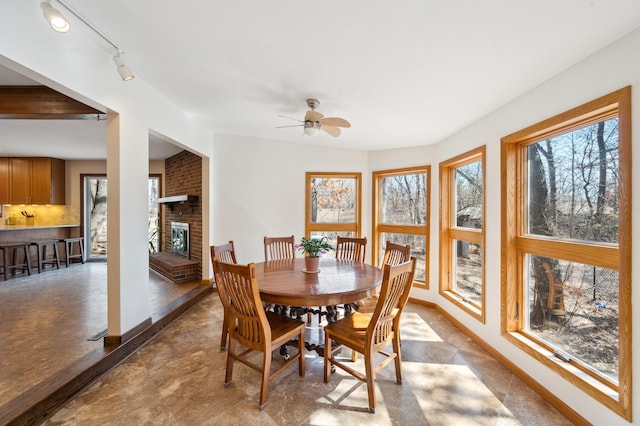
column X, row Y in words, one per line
column 183, row 176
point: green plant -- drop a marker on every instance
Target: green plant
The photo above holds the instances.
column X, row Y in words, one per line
column 313, row 247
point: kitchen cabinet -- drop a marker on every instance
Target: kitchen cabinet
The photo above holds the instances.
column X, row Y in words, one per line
column 36, row 180
column 4, row 181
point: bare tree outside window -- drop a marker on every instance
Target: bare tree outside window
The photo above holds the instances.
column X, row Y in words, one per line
column 462, row 243
column 566, row 270
column 402, row 218
column 573, row 194
column 332, row 205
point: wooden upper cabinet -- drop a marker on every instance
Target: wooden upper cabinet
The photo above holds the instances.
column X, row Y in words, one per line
column 20, row 182
column 4, row 181
column 36, row 180
column 47, row 181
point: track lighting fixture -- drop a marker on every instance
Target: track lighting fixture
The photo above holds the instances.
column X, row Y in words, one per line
column 123, row 69
column 60, row 24
column 56, row 20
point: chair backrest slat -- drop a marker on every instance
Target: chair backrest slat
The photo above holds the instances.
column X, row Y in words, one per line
column 354, row 249
column 394, row 254
column 394, row 294
column 238, row 283
column 276, row 248
column 225, row 253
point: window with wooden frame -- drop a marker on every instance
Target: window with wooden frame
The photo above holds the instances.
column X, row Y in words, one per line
column 401, row 215
column 333, row 205
column 462, row 235
column 566, row 246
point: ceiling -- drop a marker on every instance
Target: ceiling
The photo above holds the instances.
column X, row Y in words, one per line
column 403, row 73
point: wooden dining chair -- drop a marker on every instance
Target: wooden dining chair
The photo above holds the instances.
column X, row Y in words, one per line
column 348, row 248
column 394, row 254
column 254, row 328
column 371, row 334
column 276, row 248
column 224, row 253
column 279, row 248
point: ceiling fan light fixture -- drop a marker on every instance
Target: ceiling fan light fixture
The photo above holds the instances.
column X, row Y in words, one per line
column 56, row 20
column 311, row 128
column 125, row 72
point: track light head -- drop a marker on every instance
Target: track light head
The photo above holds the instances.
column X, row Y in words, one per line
column 55, row 19
column 125, row 72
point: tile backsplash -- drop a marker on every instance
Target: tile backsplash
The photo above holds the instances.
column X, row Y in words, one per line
column 43, row 215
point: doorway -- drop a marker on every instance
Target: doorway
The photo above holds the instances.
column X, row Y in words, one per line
column 95, row 215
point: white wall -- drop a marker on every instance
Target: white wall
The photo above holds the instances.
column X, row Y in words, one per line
column 257, row 186
column 259, row 189
column 612, row 68
column 80, row 65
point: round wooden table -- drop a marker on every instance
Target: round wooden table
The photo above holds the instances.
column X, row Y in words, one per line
column 283, row 282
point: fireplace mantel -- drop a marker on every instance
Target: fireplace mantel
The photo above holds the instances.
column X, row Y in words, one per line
column 177, row 199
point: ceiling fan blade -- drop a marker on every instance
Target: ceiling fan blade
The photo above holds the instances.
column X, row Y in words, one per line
column 292, row 125
column 335, row 121
column 331, row 130
column 312, row 115
column 289, row 118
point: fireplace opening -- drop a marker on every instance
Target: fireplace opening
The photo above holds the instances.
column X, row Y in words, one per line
column 180, row 239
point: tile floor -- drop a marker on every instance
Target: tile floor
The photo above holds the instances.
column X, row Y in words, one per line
column 178, row 379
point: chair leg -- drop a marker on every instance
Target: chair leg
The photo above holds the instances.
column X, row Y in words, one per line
column 371, row 386
column 397, row 360
column 266, row 372
column 230, row 352
column 301, row 351
column 327, row 356
column 225, row 333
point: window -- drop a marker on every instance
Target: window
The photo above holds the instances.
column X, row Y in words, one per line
column 401, row 215
column 462, row 231
column 566, row 264
column 95, row 214
column 333, row 205
column 154, row 222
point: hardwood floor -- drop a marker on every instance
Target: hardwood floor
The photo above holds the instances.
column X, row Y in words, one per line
column 51, row 331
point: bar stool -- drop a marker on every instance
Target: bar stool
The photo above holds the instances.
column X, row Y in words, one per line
column 42, row 254
column 10, row 253
column 68, row 249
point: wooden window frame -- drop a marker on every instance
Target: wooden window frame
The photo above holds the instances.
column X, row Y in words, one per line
column 450, row 232
column 355, row 227
column 516, row 245
column 378, row 227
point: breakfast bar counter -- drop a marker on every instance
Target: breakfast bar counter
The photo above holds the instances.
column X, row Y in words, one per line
column 22, row 232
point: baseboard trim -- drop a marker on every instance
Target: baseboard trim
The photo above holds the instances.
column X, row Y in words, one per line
column 112, row 341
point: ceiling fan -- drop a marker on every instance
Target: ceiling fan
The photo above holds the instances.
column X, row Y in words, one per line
column 314, row 121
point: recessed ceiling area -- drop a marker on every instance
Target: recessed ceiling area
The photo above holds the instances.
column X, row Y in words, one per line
column 72, row 139
column 402, row 73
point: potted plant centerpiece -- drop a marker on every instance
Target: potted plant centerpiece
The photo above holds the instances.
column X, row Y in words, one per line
column 312, row 248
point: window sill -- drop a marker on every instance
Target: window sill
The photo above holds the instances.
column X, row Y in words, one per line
column 464, row 304
column 607, row 395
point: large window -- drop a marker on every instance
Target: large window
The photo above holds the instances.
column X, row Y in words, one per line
column 566, row 218
column 333, row 205
column 462, row 231
column 401, row 215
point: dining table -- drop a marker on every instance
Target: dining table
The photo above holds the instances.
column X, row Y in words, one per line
column 285, row 282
